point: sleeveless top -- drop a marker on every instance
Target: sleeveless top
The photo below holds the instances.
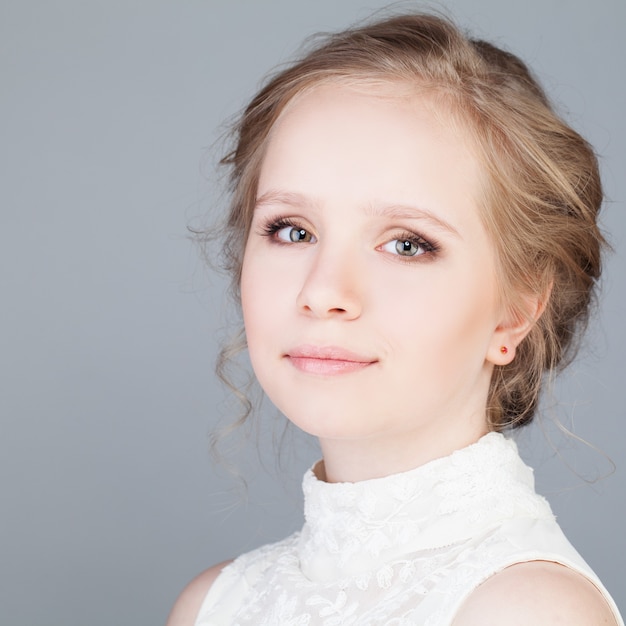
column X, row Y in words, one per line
column 406, row 549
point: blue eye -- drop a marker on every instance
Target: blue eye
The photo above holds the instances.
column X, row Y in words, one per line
column 294, row 234
column 407, row 247
column 286, row 230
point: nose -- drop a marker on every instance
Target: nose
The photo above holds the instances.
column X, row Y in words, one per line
column 331, row 287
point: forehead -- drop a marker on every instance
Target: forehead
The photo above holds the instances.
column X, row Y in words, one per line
column 395, row 141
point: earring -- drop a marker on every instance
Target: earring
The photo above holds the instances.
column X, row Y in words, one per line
column 504, row 349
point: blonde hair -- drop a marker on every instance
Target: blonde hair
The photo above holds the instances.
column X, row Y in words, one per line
column 540, row 200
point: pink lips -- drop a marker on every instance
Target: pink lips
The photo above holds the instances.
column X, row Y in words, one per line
column 327, row 361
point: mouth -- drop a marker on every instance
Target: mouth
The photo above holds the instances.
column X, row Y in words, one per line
column 327, row 361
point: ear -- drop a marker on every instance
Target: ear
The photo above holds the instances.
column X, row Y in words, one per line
column 514, row 326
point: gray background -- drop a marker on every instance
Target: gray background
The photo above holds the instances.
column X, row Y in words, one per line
column 110, row 322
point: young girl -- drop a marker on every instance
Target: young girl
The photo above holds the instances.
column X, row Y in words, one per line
column 413, row 237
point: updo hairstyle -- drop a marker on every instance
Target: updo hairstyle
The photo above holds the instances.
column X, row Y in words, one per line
column 540, row 196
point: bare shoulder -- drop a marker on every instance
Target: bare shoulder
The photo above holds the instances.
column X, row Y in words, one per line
column 187, row 606
column 539, row 593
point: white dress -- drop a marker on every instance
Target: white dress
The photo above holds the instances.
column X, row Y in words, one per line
column 406, row 549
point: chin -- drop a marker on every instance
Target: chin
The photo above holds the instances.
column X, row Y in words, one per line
column 335, row 424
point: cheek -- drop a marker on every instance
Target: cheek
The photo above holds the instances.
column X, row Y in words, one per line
column 253, row 293
column 263, row 293
column 443, row 319
column 254, row 309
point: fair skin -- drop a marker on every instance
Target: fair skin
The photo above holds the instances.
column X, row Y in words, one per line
column 383, row 354
column 372, row 314
column 188, row 604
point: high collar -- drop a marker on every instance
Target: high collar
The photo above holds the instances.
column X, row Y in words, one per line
column 352, row 528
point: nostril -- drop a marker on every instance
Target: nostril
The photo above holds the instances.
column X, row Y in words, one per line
column 329, row 292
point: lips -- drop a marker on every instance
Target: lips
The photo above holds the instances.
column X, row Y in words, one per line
column 327, row 361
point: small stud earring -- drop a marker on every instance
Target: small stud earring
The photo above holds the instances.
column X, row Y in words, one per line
column 504, row 349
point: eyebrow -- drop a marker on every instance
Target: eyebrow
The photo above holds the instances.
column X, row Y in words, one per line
column 393, row 211
column 289, row 198
column 409, row 212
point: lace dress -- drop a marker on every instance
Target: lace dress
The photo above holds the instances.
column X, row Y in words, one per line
column 403, row 550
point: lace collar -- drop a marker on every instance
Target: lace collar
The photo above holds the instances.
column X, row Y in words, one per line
column 352, row 528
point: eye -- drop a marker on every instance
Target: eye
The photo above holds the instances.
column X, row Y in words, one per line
column 408, row 246
column 284, row 230
column 294, row 234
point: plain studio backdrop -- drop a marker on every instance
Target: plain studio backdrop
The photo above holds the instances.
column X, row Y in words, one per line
column 110, row 321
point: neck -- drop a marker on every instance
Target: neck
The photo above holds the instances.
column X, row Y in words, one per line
column 354, row 460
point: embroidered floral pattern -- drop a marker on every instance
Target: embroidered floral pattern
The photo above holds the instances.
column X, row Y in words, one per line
column 398, row 551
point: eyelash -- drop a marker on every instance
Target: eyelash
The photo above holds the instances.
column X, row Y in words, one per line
column 274, row 225
column 430, row 247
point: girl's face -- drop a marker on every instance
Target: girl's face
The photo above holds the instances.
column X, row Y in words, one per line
column 369, row 282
